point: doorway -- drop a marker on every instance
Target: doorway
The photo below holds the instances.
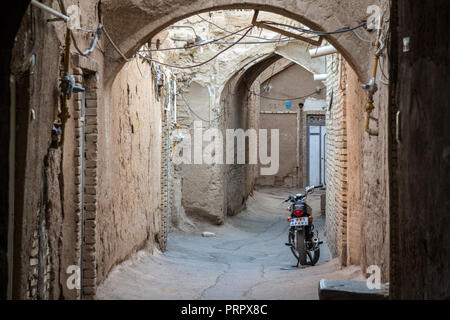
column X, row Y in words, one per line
column 316, row 149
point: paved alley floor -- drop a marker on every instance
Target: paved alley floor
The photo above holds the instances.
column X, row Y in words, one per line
column 247, row 259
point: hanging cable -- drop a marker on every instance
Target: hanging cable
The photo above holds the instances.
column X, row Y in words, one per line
column 360, row 38
column 199, row 64
column 230, row 42
column 142, row 75
column 94, row 42
column 98, row 32
column 199, row 44
column 199, row 117
column 115, row 46
column 343, row 30
column 223, row 29
column 281, row 99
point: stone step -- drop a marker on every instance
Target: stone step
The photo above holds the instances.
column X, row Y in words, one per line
column 350, row 290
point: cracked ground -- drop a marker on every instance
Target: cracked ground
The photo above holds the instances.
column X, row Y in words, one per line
column 247, row 259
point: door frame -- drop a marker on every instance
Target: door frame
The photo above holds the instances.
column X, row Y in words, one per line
column 307, row 145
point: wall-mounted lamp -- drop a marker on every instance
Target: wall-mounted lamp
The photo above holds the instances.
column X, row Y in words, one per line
column 197, row 39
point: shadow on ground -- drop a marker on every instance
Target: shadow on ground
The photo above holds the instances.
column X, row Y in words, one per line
column 246, row 260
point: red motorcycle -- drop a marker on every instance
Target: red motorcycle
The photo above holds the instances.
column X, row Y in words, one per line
column 304, row 245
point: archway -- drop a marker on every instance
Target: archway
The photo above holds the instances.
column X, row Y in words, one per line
column 132, row 29
column 104, row 71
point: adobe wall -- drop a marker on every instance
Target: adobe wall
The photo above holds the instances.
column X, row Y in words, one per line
column 129, row 216
column 212, row 94
column 357, row 215
column 139, row 21
column 293, row 81
column 368, row 184
column 122, row 137
column 47, row 228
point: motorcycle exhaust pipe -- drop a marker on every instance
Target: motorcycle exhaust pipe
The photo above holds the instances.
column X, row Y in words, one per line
column 317, row 241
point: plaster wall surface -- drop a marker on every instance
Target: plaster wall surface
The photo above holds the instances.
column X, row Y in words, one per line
column 292, row 82
column 47, row 222
column 207, row 95
column 143, row 20
column 129, row 26
column 129, row 173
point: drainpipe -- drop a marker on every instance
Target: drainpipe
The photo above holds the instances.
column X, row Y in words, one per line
column 11, row 187
column 321, row 77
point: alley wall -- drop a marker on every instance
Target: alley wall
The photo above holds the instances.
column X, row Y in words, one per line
column 357, row 218
column 129, row 169
column 292, row 82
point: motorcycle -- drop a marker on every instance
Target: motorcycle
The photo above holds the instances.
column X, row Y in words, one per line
column 304, row 245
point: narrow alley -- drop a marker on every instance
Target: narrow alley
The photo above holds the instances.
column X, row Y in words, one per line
column 247, row 259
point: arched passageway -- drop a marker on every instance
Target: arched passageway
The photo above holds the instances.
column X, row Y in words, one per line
column 132, row 23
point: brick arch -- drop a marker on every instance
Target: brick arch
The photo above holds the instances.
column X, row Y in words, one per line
column 131, row 23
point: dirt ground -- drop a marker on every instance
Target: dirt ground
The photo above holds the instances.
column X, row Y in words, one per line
column 247, row 259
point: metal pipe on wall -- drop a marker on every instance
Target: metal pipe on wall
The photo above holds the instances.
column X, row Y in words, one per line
column 322, row 51
column 320, row 77
column 11, row 187
column 50, row 10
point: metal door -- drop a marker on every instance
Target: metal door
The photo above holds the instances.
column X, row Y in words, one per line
column 316, row 150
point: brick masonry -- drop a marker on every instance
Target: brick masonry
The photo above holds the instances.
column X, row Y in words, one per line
column 336, row 159
column 86, row 196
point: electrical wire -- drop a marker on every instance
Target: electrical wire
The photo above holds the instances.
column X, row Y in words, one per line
column 223, row 29
column 271, row 76
column 115, row 46
column 197, row 45
column 319, row 33
column 316, row 33
column 199, row 64
column 201, row 118
column 98, row 32
column 242, row 42
column 142, row 75
column 282, row 99
column 93, row 45
column 361, row 38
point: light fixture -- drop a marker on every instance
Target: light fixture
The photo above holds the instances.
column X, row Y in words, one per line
column 198, row 40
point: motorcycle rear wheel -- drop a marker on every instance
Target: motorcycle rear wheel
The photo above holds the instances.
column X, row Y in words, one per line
column 314, row 256
column 301, row 247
